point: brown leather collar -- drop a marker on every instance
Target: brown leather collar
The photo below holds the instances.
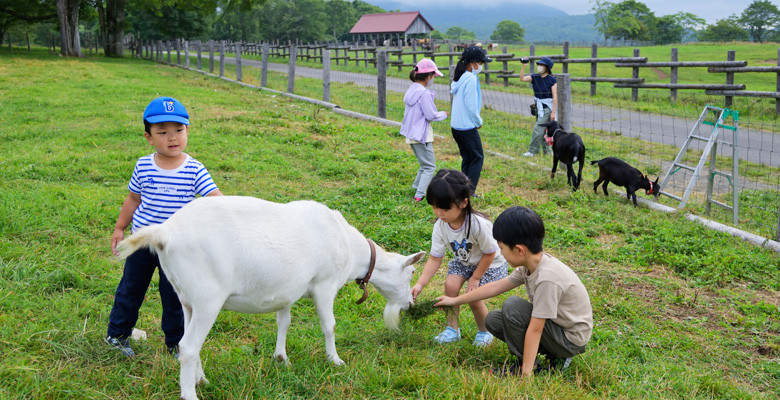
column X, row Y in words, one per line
column 363, row 281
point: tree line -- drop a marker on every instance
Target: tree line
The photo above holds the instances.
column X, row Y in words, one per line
column 633, row 20
column 312, row 20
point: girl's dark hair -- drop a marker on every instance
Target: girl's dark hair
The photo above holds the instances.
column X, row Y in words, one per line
column 449, row 188
column 415, row 76
column 520, row 225
column 460, row 68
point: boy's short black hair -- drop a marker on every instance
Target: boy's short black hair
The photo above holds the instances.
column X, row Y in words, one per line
column 520, row 225
column 147, row 127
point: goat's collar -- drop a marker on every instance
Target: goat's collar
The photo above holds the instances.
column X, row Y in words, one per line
column 364, row 280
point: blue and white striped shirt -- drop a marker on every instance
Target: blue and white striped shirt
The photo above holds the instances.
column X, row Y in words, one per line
column 163, row 191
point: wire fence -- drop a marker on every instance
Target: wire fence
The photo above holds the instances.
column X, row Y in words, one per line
column 645, row 129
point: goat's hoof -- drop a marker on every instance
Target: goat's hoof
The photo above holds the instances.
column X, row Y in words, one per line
column 202, row 381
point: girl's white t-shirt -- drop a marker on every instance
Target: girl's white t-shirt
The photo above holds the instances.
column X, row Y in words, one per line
column 467, row 250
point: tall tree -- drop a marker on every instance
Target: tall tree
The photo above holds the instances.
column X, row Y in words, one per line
column 688, row 22
column 602, row 11
column 667, row 30
column 342, row 16
column 724, row 30
column 636, row 21
column 459, row 33
column 68, row 17
column 508, row 31
column 758, row 17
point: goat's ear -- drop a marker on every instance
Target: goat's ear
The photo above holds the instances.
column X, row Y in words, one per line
column 414, row 259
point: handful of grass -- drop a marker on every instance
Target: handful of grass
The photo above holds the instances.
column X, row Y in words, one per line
column 423, row 309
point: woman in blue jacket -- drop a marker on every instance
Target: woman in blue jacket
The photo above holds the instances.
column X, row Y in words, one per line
column 465, row 118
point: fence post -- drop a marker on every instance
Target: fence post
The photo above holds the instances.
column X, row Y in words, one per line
column 178, row 51
column 564, row 102
column 506, row 67
column 449, row 46
column 400, row 56
column 730, row 78
column 264, row 71
column 674, row 76
column 777, row 88
column 291, row 69
column 487, row 75
column 211, row 56
column 168, row 50
column 326, row 76
column 634, row 74
column 565, row 68
column 594, row 53
column 221, row 58
column 414, row 52
column 200, row 51
column 186, row 54
column 238, row 61
column 159, row 51
column 531, row 65
column 30, row 51
column 381, row 84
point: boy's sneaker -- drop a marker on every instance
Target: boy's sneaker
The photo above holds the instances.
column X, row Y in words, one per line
column 449, row 335
column 174, row 351
column 560, row 364
column 122, row 345
column 483, row 339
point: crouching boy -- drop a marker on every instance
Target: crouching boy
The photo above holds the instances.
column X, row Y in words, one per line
column 558, row 320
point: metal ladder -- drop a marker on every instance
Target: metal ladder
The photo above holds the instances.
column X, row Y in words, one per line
column 711, row 151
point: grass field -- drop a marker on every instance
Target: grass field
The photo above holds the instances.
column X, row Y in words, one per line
column 680, row 312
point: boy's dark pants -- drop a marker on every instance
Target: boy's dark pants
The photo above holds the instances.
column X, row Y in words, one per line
column 130, row 293
column 470, row 146
column 511, row 323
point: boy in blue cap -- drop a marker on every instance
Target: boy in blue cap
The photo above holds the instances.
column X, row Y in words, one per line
column 162, row 183
column 546, row 98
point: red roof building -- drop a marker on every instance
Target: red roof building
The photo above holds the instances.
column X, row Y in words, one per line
column 389, row 24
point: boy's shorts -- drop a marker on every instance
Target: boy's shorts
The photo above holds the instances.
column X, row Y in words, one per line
column 491, row 275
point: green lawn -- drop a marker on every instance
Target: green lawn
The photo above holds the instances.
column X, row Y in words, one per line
column 681, row 312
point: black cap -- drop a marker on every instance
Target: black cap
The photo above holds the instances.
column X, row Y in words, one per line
column 474, row 53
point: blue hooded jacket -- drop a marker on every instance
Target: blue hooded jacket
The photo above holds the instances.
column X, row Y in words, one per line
column 466, row 103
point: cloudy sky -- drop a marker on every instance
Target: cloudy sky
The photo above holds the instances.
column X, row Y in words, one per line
column 711, row 10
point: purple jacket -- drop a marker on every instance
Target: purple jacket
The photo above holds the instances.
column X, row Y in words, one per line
column 419, row 111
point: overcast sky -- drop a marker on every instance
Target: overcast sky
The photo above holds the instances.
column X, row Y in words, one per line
column 711, row 10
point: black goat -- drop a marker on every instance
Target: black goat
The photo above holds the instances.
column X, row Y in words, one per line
column 567, row 148
column 620, row 173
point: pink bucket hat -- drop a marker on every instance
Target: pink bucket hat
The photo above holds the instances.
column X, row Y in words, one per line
column 425, row 65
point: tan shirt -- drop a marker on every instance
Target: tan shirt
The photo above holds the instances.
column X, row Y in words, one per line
column 558, row 295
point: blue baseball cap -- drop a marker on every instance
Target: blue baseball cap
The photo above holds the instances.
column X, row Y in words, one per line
column 166, row 109
column 546, row 61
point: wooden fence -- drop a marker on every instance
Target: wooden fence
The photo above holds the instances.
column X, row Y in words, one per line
column 366, row 53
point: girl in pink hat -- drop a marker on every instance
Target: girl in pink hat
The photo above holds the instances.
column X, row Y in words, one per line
column 416, row 126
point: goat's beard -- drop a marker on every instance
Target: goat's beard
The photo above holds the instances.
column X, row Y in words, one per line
column 392, row 316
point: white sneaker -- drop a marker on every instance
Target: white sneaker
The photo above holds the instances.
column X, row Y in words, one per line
column 528, row 154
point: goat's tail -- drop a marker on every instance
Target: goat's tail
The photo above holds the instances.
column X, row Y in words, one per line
column 152, row 236
column 594, row 162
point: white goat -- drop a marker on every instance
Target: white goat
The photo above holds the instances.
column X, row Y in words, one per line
column 253, row 256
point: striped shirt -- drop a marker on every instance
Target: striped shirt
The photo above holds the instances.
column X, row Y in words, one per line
column 164, row 191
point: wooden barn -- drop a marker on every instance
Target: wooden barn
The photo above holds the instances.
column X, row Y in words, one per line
column 392, row 25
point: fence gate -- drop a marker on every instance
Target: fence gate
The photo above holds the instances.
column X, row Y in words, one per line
column 711, row 151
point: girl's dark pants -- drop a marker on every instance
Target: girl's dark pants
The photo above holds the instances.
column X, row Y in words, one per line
column 130, row 293
column 470, row 146
column 511, row 322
